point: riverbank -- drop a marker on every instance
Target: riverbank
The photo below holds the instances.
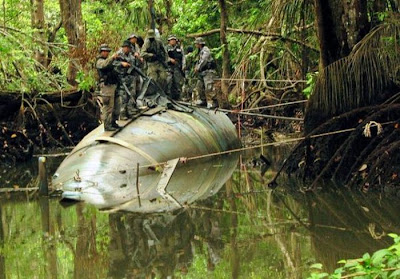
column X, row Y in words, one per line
column 44, row 124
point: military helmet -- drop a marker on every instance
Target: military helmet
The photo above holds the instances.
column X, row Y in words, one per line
column 133, row 35
column 172, row 37
column 104, row 47
column 200, row 41
column 151, row 34
column 126, row 43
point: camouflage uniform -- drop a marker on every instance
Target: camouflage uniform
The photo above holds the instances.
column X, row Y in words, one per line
column 108, row 83
column 205, row 69
column 126, row 89
column 155, row 54
column 138, row 62
column 175, row 76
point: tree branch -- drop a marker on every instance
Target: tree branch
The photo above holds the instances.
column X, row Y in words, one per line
column 273, row 36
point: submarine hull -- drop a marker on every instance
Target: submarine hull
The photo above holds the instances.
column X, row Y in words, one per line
column 102, row 168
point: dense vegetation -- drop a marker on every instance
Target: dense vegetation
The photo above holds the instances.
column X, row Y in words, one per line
column 343, row 55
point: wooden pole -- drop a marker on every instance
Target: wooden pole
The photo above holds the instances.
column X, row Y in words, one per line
column 43, row 182
column 262, row 140
column 137, row 184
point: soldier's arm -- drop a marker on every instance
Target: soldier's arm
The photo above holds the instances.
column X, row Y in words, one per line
column 165, row 52
column 183, row 66
column 144, row 51
column 203, row 59
column 136, row 51
column 104, row 63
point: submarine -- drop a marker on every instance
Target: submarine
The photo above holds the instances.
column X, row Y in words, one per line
column 148, row 164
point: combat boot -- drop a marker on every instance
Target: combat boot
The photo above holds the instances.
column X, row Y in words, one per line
column 200, row 103
column 114, row 125
column 212, row 105
column 110, row 128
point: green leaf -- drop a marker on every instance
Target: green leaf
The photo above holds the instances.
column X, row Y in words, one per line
column 393, row 235
column 379, row 256
column 366, row 256
column 395, row 274
column 316, row 266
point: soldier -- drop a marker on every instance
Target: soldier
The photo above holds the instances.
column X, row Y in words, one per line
column 155, row 54
column 188, row 68
column 205, row 70
column 126, row 89
column 108, row 83
column 135, row 47
column 139, row 62
column 175, row 72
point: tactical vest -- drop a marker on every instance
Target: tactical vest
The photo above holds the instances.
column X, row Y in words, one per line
column 107, row 75
column 124, row 71
column 156, row 48
column 210, row 65
column 175, row 53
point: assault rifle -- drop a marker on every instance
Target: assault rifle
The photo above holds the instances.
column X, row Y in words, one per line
column 178, row 62
column 131, row 68
column 157, row 57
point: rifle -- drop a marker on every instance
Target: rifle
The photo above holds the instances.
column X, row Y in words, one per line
column 126, row 89
column 137, row 70
column 156, row 57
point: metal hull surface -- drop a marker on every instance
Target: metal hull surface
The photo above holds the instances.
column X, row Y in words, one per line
column 102, row 168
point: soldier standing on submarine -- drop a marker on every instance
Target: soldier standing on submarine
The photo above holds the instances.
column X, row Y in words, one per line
column 108, row 80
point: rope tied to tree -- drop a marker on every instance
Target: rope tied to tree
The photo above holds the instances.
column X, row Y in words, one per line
column 367, row 129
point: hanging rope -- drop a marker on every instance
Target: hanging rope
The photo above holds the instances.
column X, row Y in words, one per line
column 242, row 111
column 183, row 159
column 262, row 115
column 276, row 105
column 226, row 152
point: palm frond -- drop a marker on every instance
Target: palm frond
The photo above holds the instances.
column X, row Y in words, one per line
column 290, row 13
column 364, row 77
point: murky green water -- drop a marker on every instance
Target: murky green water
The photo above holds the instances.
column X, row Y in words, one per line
column 243, row 231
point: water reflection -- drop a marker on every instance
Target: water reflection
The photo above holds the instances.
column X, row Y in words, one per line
column 142, row 246
column 2, row 258
column 341, row 220
column 245, row 230
column 190, row 182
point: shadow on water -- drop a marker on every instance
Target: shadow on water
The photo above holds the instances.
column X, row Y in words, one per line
column 2, row 257
column 243, row 230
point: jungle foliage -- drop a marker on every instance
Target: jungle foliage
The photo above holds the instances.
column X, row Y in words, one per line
column 342, row 55
column 266, row 45
column 268, row 40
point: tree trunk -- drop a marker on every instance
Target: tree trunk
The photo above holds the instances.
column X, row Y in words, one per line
column 168, row 14
column 50, row 39
column 37, row 21
column 152, row 14
column 340, row 25
column 71, row 15
column 379, row 6
column 226, row 63
column 355, row 21
column 394, row 4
